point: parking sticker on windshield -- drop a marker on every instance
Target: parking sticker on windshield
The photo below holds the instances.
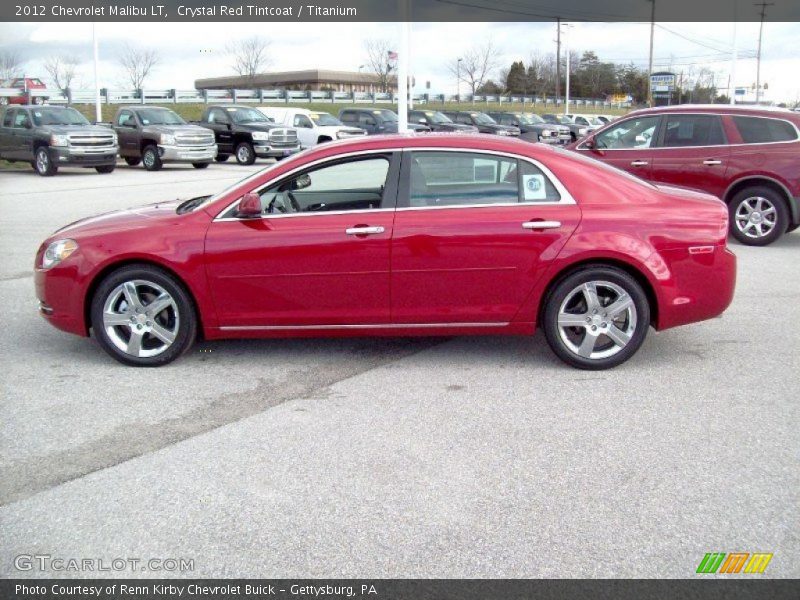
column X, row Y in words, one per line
column 534, row 187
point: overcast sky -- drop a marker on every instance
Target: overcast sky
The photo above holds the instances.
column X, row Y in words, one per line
column 194, row 50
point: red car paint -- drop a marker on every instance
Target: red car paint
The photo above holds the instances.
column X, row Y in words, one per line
column 720, row 169
column 27, row 87
column 459, row 270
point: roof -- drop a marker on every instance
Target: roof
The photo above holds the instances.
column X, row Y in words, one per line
column 715, row 108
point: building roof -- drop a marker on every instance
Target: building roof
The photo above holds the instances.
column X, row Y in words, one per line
column 321, row 76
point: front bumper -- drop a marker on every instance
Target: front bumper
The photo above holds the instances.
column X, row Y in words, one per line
column 60, row 300
column 187, row 153
column 89, row 157
column 265, row 150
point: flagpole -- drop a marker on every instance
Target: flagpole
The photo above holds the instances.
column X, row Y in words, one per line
column 97, row 109
column 402, row 70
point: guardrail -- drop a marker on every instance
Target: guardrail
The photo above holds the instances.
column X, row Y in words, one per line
column 176, row 96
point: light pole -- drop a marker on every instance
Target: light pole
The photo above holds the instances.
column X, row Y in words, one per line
column 566, row 51
column 650, row 64
column 458, row 79
column 763, row 6
column 97, row 111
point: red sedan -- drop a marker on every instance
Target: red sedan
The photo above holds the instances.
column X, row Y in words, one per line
column 398, row 235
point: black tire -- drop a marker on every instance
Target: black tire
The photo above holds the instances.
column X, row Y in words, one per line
column 200, row 165
column 245, row 155
column 132, row 160
column 42, row 163
column 38, row 101
column 792, row 228
column 635, row 323
column 222, row 157
column 743, row 230
column 182, row 318
column 105, row 169
column 151, row 159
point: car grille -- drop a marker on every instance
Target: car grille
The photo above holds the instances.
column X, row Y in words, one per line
column 194, row 139
column 283, row 137
column 94, row 140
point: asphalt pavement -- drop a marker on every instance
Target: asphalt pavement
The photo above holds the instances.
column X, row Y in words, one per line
column 430, row 457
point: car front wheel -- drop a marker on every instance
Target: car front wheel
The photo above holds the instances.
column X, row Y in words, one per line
column 596, row 318
column 142, row 316
column 758, row 216
column 245, row 154
column 43, row 165
column 151, row 159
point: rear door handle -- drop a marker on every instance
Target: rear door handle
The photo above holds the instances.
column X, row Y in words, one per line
column 364, row 230
column 639, row 163
column 711, row 162
column 541, row 224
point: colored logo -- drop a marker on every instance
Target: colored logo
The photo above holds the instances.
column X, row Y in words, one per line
column 534, row 184
column 735, row 562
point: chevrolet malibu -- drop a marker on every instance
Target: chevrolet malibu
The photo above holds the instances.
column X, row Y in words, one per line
column 398, row 236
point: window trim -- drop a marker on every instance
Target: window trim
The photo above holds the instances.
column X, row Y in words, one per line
column 660, row 120
column 794, row 126
column 26, row 114
column 665, row 121
column 403, row 196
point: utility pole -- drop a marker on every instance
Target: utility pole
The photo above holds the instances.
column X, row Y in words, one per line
column 650, row 67
column 735, row 55
column 566, row 51
column 98, row 112
column 558, row 59
column 763, row 6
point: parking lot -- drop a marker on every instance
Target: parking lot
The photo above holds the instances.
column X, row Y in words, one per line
column 462, row 457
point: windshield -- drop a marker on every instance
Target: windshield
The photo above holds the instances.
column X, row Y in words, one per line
column 58, row 116
column 437, row 117
column 159, row 116
column 524, row 119
column 325, row 119
column 387, row 115
column 247, row 115
column 534, row 119
column 483, row 119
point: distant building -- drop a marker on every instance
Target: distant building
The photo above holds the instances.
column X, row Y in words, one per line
column 311, row 79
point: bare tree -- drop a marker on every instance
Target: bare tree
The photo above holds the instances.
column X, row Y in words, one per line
column 476, row 65
column 10, row 64
column 380, row 62
column 62, row 69
column 250, row 56
column 137, row 64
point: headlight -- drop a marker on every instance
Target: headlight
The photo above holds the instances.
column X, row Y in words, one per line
column 114, row 137
column 546, row 132
column 59, row 140
column 261, row 135
column 57, row 252
column 582, row 131
column 167, row 139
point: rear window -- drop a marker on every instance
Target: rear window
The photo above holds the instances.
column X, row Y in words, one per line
column 693, row 130
column 763, row 130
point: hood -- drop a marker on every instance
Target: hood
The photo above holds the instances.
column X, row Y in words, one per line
column 140, row 217
column 177, row 129
column 455, row 127
column 258, row 126
column 65, row 129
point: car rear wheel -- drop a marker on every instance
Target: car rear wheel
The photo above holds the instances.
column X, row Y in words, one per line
column 43, row 165
column 105, row 169
column 199, row 165
column 221, row 157
column 133, row 160
column 142, row 316
column 245, row 155
column 596, row 318
column 151, row 159
column 758, row 216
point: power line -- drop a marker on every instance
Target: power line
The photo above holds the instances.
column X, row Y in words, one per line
column 763, row 6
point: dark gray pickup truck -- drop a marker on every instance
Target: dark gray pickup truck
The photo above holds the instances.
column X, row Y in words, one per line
column 49, row 137
column 154, row 135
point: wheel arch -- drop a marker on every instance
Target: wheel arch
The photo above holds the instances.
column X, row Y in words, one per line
column 133, row 261
column 634, row 271
column 767, row 181
column 324, row 138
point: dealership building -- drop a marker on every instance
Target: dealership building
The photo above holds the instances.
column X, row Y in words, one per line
column 311, row 79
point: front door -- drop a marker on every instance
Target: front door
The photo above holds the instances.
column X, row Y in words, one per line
column 219, row 121
column 22, row 136
column 127, row 134
column 318, row 256
column 473, row 233
column 626, row 145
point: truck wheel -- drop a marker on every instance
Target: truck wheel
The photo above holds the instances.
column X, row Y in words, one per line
column 105, row 169
column 245, row 155
column 38, row 101
column 758, row 216
column 151, row 159
column 43, row 165
column 3, row 100
column 222, row 157
column 199, row 165
column 133, row 160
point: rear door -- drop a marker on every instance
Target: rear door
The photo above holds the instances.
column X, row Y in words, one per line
column 692, row 151
column 473, row 233
column 627, row 145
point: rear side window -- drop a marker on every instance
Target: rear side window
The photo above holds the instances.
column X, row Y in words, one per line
column 8, row 118
column 536, row 186
column 693, row 130
column 462, row 178
column 762, row 130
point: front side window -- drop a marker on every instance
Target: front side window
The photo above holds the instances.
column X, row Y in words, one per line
column 463, row 119
column 216, row 115
column 630, row 134
column 462, row 178
column 126, row 119
column 692, row 130
column 366, row 120
column 356, row 184
column 8, row 119
column 762, row 130
column 21, row 120
column 302, row 121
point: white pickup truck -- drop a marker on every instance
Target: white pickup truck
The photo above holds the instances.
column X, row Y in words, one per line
column 313, row 127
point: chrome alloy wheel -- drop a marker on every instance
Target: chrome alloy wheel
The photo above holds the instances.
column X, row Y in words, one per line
column 756, row 217
column 141, row 318
column 149, row 159
column 243, row 153
column 42, row 161
column 597, row 319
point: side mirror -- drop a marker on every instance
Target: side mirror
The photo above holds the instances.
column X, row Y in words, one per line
column 303, row 181
column 249, row 206
column 423, row 121
column 589, row 143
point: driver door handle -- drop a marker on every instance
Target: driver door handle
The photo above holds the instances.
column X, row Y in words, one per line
column 541, row 225
column 363, row 230
column 639, row 163
column 711, row 162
